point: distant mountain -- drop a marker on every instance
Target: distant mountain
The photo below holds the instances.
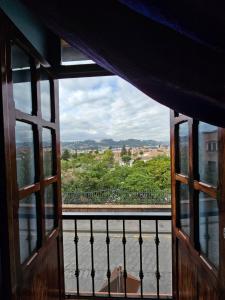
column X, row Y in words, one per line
column 110, row 143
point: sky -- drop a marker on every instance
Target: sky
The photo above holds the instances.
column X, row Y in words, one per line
column 109, row 107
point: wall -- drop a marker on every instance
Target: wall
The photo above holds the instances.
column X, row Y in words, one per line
column 43, row 40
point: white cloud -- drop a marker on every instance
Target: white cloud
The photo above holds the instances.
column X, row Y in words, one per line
column 109, row 107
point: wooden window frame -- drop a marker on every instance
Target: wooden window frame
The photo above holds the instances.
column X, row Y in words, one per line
column 35, row 119
column 193, row 182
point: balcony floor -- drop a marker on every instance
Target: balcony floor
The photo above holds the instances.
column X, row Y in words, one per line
column 116, row 254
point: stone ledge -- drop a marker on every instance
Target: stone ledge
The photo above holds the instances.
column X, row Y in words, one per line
column 113, row 207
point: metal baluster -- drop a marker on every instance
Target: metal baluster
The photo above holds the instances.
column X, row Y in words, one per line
column 77, row 271
column 108, row 258
column 157, row 273
column 124, row 260
column 141, row 274
column 92, row 258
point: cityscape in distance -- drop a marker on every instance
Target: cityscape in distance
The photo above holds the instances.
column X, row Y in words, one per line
column 146, row 149
column 112, row 144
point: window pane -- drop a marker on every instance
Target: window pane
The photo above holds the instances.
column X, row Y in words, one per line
column 49, row 209
column 73, row 56
column 47, row 152
column 21, row 76
column 183, row 148
column 208, row 153
column 45, row 97
column 27, row 226
column 184, row 206
column 24, row 154
column 209, row 227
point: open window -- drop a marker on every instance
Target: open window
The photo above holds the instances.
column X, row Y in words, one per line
column 195, row 189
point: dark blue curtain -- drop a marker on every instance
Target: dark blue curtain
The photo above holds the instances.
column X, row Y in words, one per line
column 174, row 53
column 202, row 21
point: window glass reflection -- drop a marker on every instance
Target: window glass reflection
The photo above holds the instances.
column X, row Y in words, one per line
column 209, row 227
column 184, row 208
column 73, row 56
column 21, row 77
column 27, row 226
column 183, row 148
column 24, row 154
column 208, row 153
column 45, row 97
column 49, row 209
column 47, row 152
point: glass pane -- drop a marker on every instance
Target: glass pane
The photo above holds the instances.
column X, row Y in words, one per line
column 183, row 148
column 209, row 227
column 24, row 154
column 208, row 153
column 45, row 97
column 27, row 226
column 21, row 77
column 73, row 56
column 184, row 206
column 47, row 152
column 49, row 208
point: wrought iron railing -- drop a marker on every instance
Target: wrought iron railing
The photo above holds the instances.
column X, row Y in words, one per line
column 119, row 241
column 118, row 196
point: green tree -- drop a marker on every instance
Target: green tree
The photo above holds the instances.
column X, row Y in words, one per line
column 115, row 177
column 75, row 154
column 91, row 172
column 66, row 154
column 123, row 151
column 108, row 158
column 129, row 152
column 126, row 159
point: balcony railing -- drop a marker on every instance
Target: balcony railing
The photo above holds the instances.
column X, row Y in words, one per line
column 118, row 196
column 117, row 255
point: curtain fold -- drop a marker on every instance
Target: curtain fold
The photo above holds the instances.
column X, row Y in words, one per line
column 199, row 20
column 167, row 65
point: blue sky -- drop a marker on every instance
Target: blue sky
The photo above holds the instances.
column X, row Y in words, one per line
column 109, row 107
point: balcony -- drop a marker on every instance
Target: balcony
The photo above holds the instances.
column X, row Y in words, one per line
column 119, row 197
column 117, row 255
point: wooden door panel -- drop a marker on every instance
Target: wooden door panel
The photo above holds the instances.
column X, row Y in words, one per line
column 207, row 288
column 199, row 211
column 187, row 275
column 34, row 211
column 206, row 291
column 194, row 280
column 44, row 285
